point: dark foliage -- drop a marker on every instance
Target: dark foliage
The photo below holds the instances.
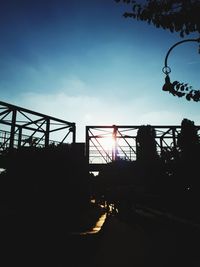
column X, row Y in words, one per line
column 177, row 16
column 187, row 165
column 181, row 89
column 146, row 144
column 188, row 138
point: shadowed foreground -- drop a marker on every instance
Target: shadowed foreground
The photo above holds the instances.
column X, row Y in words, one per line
column 147, row 243
column 142, row 241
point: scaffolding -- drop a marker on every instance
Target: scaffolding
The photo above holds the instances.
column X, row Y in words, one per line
column 21, row 127
column 105, row 144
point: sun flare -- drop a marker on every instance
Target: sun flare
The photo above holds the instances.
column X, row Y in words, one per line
column 107, row 143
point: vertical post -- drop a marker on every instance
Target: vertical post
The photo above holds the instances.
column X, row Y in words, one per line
column 47, row 132
column 12, row 131
column 74, row 133
column 87, row 149
column 174, row 143
column 161, row 145
column 114, row 148
column 19, row 137
column 174, row 138
column 137, row 146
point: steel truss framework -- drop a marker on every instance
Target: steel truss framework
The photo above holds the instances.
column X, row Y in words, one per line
column 105, row 144
column 22, row 127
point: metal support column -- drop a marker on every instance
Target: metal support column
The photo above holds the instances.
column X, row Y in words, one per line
column 74, row 133
column 47, row 132
column 87, row 144
column 19, row 136
column 12, row 131
column 114, row 148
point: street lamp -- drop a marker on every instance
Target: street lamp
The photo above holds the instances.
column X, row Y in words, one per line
column 177, row 88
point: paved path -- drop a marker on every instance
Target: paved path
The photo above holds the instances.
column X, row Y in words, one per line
column 141, row 243
column 121, row 245
column 146, row 244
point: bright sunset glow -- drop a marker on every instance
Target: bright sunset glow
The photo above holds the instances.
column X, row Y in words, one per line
column 107, row 143
column 83, row 62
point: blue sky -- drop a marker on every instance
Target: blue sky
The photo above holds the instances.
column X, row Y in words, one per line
column 83, row 62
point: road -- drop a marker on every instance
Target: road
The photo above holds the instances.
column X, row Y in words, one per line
column 139, row 242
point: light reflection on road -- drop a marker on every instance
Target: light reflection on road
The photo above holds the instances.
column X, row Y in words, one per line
column 97, row 227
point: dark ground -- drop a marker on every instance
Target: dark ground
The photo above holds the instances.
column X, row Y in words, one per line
column 140, row 241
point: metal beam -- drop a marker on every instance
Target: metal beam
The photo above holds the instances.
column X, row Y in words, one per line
column 18, row 122
column 125, row 143
column 17, row 108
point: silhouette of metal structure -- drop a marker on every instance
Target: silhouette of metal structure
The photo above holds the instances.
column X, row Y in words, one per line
column 23, row 127
column 106, row 144
column 177, row 88
column 166, row 69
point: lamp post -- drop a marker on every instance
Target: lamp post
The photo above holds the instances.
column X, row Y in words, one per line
column 177, row 88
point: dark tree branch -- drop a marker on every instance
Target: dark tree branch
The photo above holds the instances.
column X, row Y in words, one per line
column 177, row 16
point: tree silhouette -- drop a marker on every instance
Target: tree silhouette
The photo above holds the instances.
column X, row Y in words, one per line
column 177, row 16
column 150, row 167
column 188, row 165
column 188, row 139
column 146, row 144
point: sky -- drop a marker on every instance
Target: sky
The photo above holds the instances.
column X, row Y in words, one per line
column 83, row 62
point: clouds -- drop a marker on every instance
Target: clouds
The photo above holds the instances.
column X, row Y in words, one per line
column 81, row 109
column 76, row 100
column 87, row 110
column 86, row 64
